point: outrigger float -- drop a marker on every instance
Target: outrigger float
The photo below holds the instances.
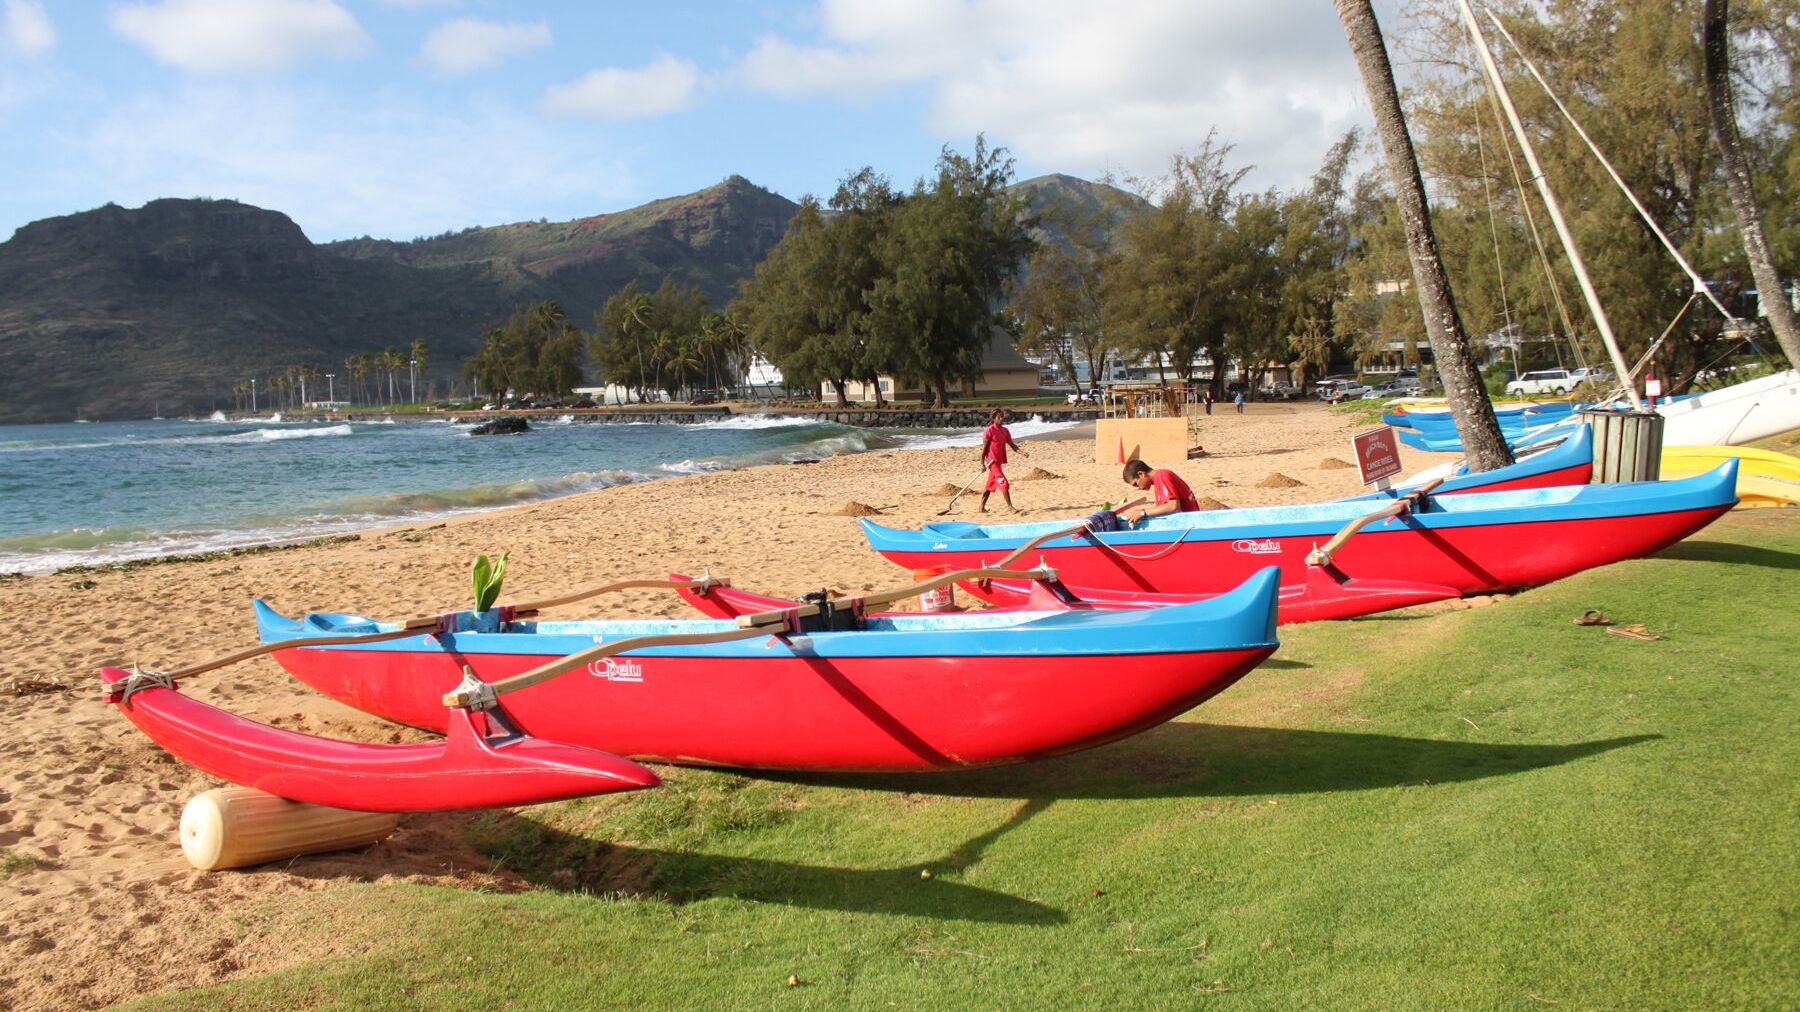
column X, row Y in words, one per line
column 1337, row 559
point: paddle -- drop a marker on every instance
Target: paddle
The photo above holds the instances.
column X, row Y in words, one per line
column 965, row 488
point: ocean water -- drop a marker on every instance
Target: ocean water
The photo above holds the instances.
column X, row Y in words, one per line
column 101, row 492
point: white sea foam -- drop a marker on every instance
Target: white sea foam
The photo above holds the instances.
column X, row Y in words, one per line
column 329, row 430
column 1033, row 426
column 756, row 422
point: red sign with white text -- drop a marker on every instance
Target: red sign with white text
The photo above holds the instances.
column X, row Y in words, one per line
column 1377, row 454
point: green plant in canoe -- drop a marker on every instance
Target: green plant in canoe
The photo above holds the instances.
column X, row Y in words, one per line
column 488, row 575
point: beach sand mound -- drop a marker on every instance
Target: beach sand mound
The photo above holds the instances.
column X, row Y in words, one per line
column 1278, row 480
column 1039, row 474
column 1207, row 502
column 946, row 489
column 856, row 509
column 1334, row 464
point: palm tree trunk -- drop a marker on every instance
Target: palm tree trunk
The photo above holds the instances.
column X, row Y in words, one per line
column 1473, row 413
column 1716, row 39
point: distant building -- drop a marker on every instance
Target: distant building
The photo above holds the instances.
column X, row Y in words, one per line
column 1004, row 373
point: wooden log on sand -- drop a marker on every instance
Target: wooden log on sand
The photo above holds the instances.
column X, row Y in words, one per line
column 235, row 827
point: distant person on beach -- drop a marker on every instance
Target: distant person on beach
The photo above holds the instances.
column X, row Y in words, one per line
column 994, row 441
column 1207, row 400
column 1239, row 401
column 1172, row 494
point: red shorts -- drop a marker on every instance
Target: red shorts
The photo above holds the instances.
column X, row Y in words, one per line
column 996, row 478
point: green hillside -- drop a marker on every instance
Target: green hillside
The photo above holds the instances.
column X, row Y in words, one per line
column 121, row 312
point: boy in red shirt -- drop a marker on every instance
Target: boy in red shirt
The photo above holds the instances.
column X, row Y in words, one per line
column 994, row 441
column 1172, row 494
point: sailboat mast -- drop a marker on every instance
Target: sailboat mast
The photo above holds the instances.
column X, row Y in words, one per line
column 1699, row 282
column 1556, row 215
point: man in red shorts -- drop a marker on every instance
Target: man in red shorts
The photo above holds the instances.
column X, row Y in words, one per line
column 994, row 441
column 1172, row 494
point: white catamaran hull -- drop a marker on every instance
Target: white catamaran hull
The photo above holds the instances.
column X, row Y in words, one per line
column 1736, row 415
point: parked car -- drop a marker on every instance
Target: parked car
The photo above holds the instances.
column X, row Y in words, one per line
column 1280, row 390
column 1331, row 389
column 1543, row 381
column 1382, row 392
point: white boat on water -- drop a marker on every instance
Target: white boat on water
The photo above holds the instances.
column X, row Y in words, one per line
column 1738, row 414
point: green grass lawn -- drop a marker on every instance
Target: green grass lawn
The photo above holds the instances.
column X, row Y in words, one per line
column 1483, row 808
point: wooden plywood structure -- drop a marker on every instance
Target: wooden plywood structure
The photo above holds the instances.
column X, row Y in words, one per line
column 1161, row 442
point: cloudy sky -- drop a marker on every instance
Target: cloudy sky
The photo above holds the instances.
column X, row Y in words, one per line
column 399, row 118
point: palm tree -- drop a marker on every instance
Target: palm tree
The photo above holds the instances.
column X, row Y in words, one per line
column 1715, row 37
column 1473, row 413
column 639, row 314
column 686, row 361
column 390, row 361
column 420, row 354
column 309, row 374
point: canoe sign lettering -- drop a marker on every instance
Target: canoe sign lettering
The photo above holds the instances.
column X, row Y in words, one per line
column 1251, row 546
column 615, row 669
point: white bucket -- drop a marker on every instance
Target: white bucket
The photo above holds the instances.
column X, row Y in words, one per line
column 941, row 599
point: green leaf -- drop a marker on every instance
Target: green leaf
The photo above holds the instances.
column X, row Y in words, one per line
column 487, row 577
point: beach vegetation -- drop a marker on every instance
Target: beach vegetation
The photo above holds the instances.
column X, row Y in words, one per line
column 669, row 340
column 537, row 351
column 1445, row 807
column 488, row 575
column 889, row 284
column 13, row 862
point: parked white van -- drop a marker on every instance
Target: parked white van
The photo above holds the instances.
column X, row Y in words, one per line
column 1543, row 381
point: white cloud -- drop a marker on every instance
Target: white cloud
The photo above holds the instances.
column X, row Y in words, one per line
column 1087, row 87
column 28, row 28
column 665, row 85
column 236, row 37
column 466, row 45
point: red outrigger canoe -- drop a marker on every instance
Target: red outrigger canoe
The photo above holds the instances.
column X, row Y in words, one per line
column 900, row 693
column 1444, row 547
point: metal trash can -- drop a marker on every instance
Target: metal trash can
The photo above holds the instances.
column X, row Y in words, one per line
column 1627, row 445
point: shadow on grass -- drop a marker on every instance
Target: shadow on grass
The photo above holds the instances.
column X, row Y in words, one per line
column 1722, row 551
column 1220, row 760
column 553, row 859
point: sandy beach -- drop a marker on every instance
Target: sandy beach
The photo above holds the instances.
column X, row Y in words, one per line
column 99, row 904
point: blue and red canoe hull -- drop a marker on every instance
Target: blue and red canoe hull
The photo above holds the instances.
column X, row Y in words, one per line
column 1480, row 543
column 952, row 693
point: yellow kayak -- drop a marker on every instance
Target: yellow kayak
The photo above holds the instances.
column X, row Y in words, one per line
column 1765, row 477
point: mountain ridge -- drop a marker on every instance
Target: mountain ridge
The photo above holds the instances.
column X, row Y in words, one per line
column 118, row 312
column 122, row 312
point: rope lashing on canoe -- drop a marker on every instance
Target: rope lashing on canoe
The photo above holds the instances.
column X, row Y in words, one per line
column 137, row 682
column 1321, row 556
